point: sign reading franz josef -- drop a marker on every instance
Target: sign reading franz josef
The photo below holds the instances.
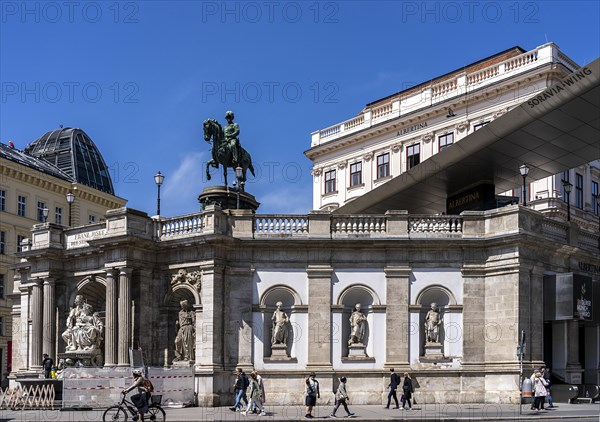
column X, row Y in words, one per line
column 80, row 240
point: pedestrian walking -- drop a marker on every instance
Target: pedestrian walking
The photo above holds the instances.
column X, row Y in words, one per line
column 540, row 391
column 261, row 386
column 393, row 386
column 341, row 398
column 407, row 390
column 546, row 375
column 255, row 395
column 312, row 394
column 239, row 387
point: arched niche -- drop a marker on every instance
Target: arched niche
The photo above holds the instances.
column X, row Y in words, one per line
column 289, row 298
column 443, row 298
column 348, row 298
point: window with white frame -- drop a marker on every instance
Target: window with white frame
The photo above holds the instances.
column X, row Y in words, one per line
column 383, row 165
column 330, row 181
column 40, row 211
column 2, row 286
column 58, row 215
column 2, row 243
column 356, row 174
column 596, row 205
column 91, row 218
column 479, row 126
column 413, row 155
column 446, row 140
column 21, row 205
column 578, row 191
column 2, row 200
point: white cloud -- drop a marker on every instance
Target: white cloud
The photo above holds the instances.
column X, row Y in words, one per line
column 181, row 188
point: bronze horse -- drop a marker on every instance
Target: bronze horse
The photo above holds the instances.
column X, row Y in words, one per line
column 222, row 154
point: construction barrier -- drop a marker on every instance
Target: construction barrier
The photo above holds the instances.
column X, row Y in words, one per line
column 31, row 397
column 94, row 387
column 176, row 385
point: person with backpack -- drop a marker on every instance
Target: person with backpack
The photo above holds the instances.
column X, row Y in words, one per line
column 341, row 399
column 141, row 399
column 312, row 394
column 239, row 386
column 255, row 395
column 393, row 386
column 47, row 364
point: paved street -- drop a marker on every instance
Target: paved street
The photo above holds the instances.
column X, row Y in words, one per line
column 428, row 412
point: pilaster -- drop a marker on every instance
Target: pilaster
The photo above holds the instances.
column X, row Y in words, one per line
column 36, row 324
column 210, row 322
column 473, row 314
column 238, row 328
column 319, row 317
column 396, row 316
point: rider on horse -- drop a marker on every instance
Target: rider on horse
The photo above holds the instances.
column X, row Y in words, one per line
column 231, row 132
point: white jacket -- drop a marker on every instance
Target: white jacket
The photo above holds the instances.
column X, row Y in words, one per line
column 539, row 387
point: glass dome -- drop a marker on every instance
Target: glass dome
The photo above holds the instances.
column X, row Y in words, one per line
column 72, row 151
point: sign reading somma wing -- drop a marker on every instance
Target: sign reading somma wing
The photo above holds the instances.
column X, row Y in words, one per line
column 81, row 239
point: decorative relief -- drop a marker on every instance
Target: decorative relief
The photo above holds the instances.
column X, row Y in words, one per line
column 368, row 156
column 427, row 137
column 462, row 126
column 499, row 113
column 317, row 171
column 396, row 147
column 342, row 165
column 194, row 279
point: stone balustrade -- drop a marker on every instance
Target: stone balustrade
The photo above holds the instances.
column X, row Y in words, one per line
column 240, row 224
column 445, row 90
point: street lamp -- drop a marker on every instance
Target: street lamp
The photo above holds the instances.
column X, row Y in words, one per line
column 158, row 179
column 70, row 200
column 45, row 213
column 524, row 171
column 567, row 187
column 240, row 184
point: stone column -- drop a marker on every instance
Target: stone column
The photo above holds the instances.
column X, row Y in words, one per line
column 124, row 331
column 574, row 370
column 319, row 328
column 36, row 324
column 239, row 323
column 110, row 327
column 209, row 323
column 49, row 315
column 397, row 329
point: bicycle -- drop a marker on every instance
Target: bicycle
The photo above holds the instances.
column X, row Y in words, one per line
column 126, row 409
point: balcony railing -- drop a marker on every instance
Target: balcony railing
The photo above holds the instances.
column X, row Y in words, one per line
column 448, row 89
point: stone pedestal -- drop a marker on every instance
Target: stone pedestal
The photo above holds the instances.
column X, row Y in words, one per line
column 433, row 353
column 83, row 357
column 226, row 198
column 183, row 363
column 357, row 351
column 279, row 352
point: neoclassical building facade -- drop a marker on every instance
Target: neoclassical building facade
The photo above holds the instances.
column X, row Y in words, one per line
column 488, row 275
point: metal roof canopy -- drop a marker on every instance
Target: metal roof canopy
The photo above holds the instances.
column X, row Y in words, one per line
column 554, row 131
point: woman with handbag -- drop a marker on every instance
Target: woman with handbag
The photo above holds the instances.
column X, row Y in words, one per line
column 341, row 398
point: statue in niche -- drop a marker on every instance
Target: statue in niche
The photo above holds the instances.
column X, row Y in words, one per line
column 280, row 326
column 358, row 322
column 185, row 342
column 69, row 334
column 433, row 321
column 84, row 327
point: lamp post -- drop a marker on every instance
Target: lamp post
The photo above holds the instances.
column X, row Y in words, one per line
column 45, row 213
column 568, row 186
column 159, row 178
column 240, row 184
column 70, row 200
column 524, row 171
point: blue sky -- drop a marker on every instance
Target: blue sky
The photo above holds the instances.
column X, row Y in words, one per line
column 140, row 76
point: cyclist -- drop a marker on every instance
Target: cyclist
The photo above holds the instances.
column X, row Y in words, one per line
column 142, row 397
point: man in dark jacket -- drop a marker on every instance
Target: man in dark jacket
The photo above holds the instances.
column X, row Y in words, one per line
column 240, row 386
column 393, row 386
column 47, row 364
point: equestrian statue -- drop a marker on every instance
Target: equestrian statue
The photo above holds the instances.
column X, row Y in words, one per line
column 226, row 148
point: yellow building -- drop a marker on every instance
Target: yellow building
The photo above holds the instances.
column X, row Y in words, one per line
column 36, row 186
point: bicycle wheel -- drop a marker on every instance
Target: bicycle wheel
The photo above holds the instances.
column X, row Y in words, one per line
column 115, row 413
column 155, row 413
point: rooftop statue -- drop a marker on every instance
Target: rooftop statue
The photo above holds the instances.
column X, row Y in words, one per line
column 226, row 148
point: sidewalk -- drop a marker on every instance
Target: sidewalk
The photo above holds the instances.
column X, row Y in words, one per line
column 428, row 412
